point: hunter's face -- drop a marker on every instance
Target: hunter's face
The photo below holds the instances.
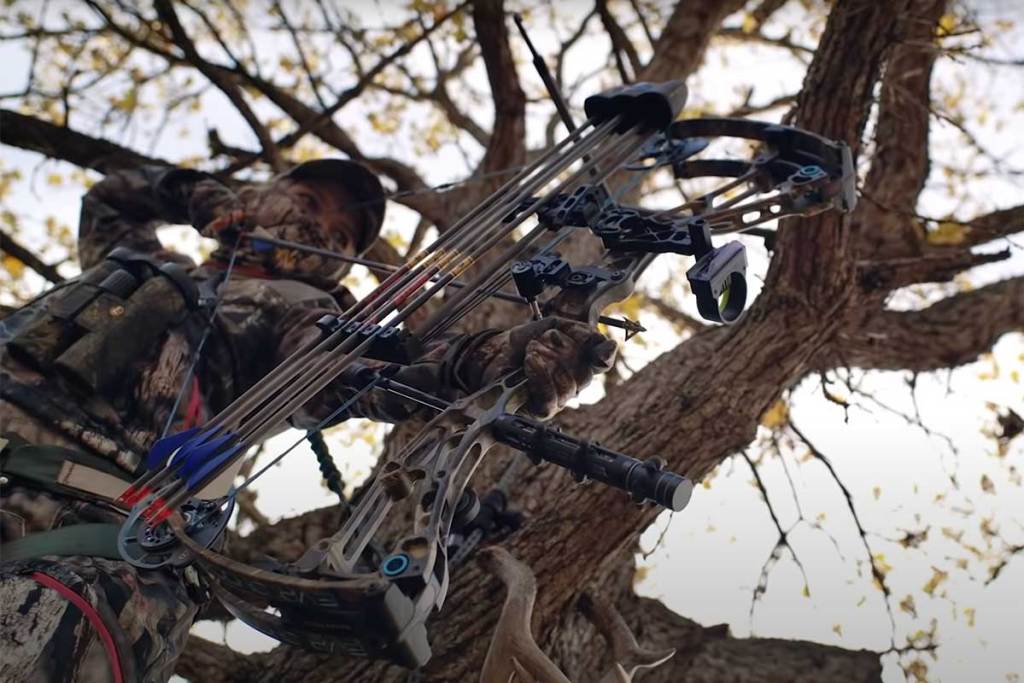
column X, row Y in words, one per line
column 329, row 203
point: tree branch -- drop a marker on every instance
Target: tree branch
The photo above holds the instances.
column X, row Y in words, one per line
column 684, row 40
column 349, row 94
column 228, row 86
column 508, row 137
column 711, row 654
column 785, row 42
column 621, row 44
column 948, row 333
column 881, row 277
column 307, row 118
column 835, row 102
column 900, row 165
column 23, row 254
column 992, row 226
column 213, row 663
column 57, row 142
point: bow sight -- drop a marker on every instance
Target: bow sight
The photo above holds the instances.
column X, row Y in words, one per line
column 363, row 592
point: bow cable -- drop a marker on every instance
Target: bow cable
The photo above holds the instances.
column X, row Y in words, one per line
column 265, row 419
column 218, row 297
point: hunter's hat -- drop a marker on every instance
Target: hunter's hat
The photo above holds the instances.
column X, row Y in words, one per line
column 357, row 180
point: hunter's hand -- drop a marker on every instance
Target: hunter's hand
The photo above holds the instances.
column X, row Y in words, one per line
column 225, row 224
column 559, row 357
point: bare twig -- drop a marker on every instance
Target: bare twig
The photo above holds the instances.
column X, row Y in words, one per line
column 226, row 85
column 781, row 542
column 876, row 571
column 621, row 44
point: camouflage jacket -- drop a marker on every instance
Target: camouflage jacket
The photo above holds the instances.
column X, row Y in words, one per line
column 258, row 321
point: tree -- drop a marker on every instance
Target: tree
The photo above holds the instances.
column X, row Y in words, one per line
column 316, row 79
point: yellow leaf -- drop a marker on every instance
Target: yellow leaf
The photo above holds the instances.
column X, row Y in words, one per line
column 776, row 415
column 408, row 32
column 948, row 23
column 948, row 233
column 383, row 124
column 880, row 563
column 917, row 669
column 54, row 179
column 938, row 576
column 807, row 591
column 13, row 266
column 908, row 606
column 969, row 613
column 749, row 23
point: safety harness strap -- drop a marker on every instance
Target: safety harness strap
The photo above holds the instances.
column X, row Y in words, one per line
column 94, row 540
column 61, row 469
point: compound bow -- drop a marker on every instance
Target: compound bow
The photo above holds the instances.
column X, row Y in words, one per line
column 345, row 594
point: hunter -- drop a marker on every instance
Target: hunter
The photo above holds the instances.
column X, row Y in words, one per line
column 98, row 368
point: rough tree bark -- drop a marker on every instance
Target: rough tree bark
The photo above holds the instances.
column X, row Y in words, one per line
column 822, row 307
column 802, row 321
column 795, row 322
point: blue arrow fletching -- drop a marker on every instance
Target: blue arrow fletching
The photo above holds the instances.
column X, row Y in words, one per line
column 211, row 465
column 197, row 456
column 198, row 440
column 164, row 447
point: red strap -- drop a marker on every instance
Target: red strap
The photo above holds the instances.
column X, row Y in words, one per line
column 195, row 406
column 92, row 615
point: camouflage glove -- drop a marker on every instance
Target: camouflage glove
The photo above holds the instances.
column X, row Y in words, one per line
column 197, row 198
column 558, row 356
column 263, row 210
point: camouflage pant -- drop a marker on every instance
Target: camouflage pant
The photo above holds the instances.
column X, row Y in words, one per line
column 74, row 619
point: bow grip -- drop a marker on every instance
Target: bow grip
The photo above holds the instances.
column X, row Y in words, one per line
column 720, row 271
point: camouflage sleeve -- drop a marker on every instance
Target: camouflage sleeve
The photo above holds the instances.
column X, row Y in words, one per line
column 435, row 372
column 126, row 208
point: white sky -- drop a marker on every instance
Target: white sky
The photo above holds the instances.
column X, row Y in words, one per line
column 710, row 557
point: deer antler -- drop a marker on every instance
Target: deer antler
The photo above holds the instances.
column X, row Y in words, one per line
column 627, row 654
column 513, row 651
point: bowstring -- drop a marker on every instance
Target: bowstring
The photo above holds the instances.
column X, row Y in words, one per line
column 207, row 329
column 437, row 189
column 456, row 255
column 264, row 411
column 348, row 403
